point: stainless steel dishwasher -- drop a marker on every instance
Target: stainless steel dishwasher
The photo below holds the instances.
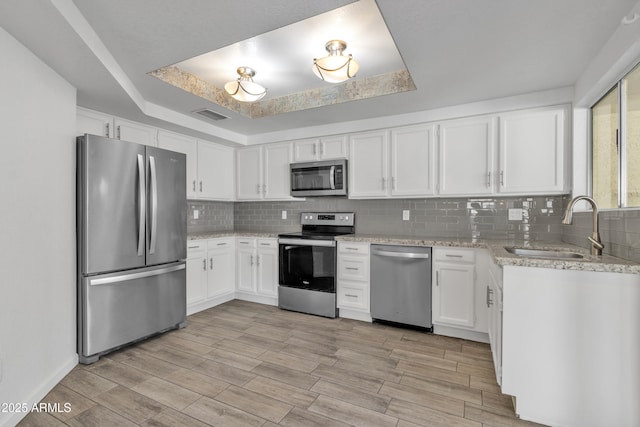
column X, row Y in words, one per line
column 401, row 284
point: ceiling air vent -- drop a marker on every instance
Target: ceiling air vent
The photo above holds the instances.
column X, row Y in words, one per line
column 211, row 115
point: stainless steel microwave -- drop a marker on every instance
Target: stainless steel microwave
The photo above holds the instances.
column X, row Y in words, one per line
column 323, row 178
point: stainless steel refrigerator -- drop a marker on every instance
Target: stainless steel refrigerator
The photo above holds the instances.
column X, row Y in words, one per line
column 131, row 231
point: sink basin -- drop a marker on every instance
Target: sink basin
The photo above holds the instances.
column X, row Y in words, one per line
column 544, row 253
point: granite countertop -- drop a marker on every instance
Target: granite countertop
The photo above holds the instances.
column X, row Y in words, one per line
column 605, row 263
column 216, row 234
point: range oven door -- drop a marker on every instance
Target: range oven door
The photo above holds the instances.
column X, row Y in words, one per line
column 308, row 264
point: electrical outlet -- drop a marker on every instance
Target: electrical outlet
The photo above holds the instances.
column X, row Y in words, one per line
column 196, row 214
column 405, row 215
column 515, row 214
column 284, row 214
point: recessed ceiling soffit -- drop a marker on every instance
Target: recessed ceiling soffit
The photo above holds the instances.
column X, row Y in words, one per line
column 283, row 60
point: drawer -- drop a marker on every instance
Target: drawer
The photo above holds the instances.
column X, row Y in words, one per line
column 353, row 248
column 196, row 245
column 353, row 268
column 246, row 242
column 267, row 243
column 454, row 255
column 227, row 242
column 353, row 295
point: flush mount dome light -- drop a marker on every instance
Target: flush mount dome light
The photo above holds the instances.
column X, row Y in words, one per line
column 244, row 89
column 335, row 67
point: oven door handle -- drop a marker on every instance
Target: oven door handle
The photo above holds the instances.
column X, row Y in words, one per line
column 307, row 242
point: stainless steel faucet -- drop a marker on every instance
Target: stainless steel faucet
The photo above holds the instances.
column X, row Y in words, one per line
column 596, row 244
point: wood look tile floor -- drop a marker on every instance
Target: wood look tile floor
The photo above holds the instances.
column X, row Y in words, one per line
column 246, row 364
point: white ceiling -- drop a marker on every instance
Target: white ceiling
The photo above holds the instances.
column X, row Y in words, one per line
column 457, row 51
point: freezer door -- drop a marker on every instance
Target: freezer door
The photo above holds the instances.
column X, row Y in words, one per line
column 118, row 308
column 166, row 206
column 111, row 204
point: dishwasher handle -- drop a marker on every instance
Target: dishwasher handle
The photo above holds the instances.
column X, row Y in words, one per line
column 400, row 254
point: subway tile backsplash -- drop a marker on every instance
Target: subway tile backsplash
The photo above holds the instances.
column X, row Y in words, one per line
column 460, row 217
column 481, row 218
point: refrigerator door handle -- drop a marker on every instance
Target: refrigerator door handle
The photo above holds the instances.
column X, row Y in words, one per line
column 154, row 205
column 133, row 276
column 142, row 205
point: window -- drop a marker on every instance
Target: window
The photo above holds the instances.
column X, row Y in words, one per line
column 615, row 130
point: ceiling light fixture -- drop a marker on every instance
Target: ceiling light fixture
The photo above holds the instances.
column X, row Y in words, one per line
column 335, row 67
column 244, row 89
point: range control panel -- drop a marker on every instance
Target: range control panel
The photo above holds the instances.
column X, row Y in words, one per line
column 328, row 218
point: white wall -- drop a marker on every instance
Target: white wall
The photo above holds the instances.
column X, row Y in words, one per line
column 37, row 220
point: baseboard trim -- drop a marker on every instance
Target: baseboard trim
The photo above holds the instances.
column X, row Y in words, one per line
column 461, row 333
column 38, row 394
column 260, row 299
column 209, row 303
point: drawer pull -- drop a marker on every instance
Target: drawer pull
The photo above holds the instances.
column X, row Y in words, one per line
column 352, row 268
column 265, row 244
column 351, row 249
column 193, row 247
column 351, row 295
column 222, row 244
column 453, row 256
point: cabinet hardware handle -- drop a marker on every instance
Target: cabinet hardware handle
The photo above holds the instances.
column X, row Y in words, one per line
column 351, row 295
column 322, row 148
column 384, row 183
column 393, row 183
column 106, row 130
column 118, row 132
column 211, row 263
column 489, row 294
column 258, row 260
column 258, row 188
column 453, row 256
column 437, row 278
column 204, row 264
column 265, row 244
column 201, row 186
column 351, row 249
column 222, row 244
column 489, row 180
column 251, row 260
column 352, row 268
column 264, row 189
column 314, row 149
column 501, row 177
column 193, row 247
column 194, row 185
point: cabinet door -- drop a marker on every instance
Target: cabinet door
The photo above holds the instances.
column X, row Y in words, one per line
column 221, row 279
column 466, row 153
column 333, row 147
column 453, row 295
column 277, row 181
column 183, row 144
column 246, row 261
column 215, row 171
column 268, row 267
column 249, row 173
column 93, row 122
column 305, row 151
column 413, row 162
column 197, row 268
column 368, row 157
column 136, row 132
column 532, row 151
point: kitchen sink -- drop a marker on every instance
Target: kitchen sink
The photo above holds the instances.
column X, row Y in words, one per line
column 544, row 253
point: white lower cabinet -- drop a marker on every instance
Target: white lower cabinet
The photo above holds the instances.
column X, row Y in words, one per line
column 210, row 273
column 457, row 295
column 494, row 308
column 353, row 281
column 257, row 270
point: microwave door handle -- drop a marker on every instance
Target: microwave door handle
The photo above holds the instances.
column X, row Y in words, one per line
column 332, row 180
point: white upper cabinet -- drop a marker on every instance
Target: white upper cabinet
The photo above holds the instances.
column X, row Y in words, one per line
column 249, row 173
column 532, row 151
column 209, row 166
column 413, row 161
column 136, row 132
column 215, row 171
column 263, row 172
column 466, row 156
column 277, row 175
column 368, row 165
column 331, row 147
column 93, row 122
column 188, row 146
